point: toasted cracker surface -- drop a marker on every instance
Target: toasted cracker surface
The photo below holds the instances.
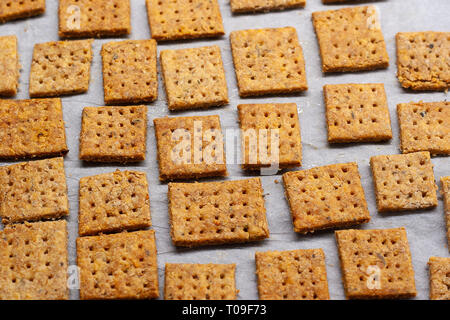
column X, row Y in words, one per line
column 326, row 197
column 200, row 282
column 350, row 39
column 439, row 269
column 31, row 128
column 376, row 264
column 424, row 126
column 292, row 275
column 118, row 266
column 445, row 181
column 268, row 61
column 184, row 19
column 357, row 112
column 114, row 201
column 33, row 190
column 190, row 147
column 264, row 5
column 265, row 124
column 9, row 66
column 60, row 68
column 217, row 212
column 404, row 181
column 422, row 60
column 113, row 134
column 13, row 9
column 33, row 261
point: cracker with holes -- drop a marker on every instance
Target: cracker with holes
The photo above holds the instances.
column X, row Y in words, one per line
column 376, row 264
column 439, row 269
column 33, row 190
column 350, row 39
column 9, row 66
column 404, row 181
column 60, row 68
column 13, row 9
column 194, row 78
column 118, row 266
column 99, row 18
column 33, row 261
column 422, row 60
column 217, row 212
column 268, row 61
column 270, row 133
column 200, row 281
column 113, row 134
column 184, row 19
column 240, row 6
column 190, row 147
column 31, row 128
column 445, row 181
column 129, row 71
column 357, row 112
column 112, row 202
column 292, row 275
column 326, row 197
column 424, row 126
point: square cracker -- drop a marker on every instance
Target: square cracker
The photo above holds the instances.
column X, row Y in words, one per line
column 350, row 39
column 268, row 61
column 9, row 66
column 424, row 126
column 184, row 19
column 439, row 278
column 13, row 9
column 422, row 60
column 292, row 275
column 200, row 282
column 445, row 181
column 113, row 134
column 99, row 18
column 129, row 71
column 33, row 261
column 376, row 264
column 357, row 112
column 257, row 122
column 217, row 212
column 194, row 78
column 238, row 6
column 32, row 128
column 404, row 181
column 33, row 190
column 60, row 68
column 326, row 197
column 118, row 266
column 113, row 201
column 190, row 147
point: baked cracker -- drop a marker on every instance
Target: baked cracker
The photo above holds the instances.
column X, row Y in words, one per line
column 9, row 66
column 439, row 269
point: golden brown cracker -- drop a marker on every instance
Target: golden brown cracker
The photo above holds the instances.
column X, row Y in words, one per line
column 33, row 190
column 190, row 147
column 194, row 78
column 439, row 278
column 9, row 66
column 113, row 134
column 118, row 266
column 350, row 39
column 445, row 181
column 326, row 197
column 404, row 181
column 268, row 61
column 33, row 261
column 266, row 125
column 292, row 275
column 113, row 201
column 357, row 112
column 376, row 264
column 14, row 9
column 184, row 19
column 129, row 71
column 200, row 281
column 424, row 126
column 60, row 68
column 31, row 128
column 423, row 60
column 217, row 212
column 238, row 6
